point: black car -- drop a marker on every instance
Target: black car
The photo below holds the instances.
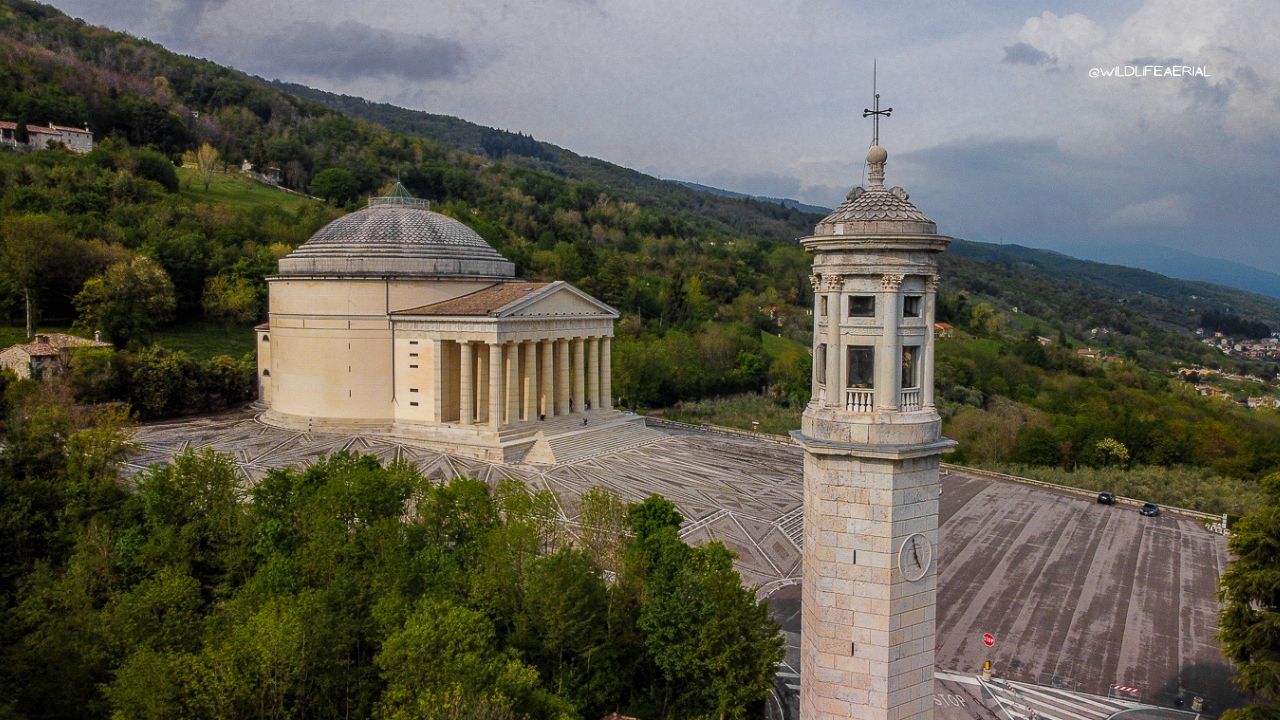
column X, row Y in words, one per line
column 1150, row 510
column 1106, row 498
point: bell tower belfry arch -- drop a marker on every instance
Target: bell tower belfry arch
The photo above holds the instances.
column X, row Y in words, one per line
column 872, row 440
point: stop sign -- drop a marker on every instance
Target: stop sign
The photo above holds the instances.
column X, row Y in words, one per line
column 989, row 640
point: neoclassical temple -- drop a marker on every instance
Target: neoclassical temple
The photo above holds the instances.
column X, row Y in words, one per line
column 400, row 321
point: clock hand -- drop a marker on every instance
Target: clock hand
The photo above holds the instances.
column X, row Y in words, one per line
column 915, row 552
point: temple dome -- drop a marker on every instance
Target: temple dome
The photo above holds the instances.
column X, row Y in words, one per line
column 396, row 236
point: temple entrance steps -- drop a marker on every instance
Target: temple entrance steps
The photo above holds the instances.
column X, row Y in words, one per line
column 589, row 442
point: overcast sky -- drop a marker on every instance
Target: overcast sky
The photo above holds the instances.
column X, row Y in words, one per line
column 998, row 130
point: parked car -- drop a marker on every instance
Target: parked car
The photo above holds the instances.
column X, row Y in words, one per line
column 1150, row 509
column 1106, row 498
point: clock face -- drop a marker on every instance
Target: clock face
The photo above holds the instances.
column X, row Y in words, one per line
column 914, row 557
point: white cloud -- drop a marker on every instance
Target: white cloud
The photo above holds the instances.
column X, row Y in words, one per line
column 1168, row 211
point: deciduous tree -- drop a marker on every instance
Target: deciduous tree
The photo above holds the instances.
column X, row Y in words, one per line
column 1249, row 623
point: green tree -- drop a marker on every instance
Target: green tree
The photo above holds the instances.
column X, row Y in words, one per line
column 34, row 253
column 1249, row 622
column 1112, row 450
column 335, row 186
column 127, row 301
column 611, row 283
column 208, row 162
column 232, row 300
column 675, row 298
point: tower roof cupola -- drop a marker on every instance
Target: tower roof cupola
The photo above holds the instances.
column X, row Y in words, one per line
column 874, row 209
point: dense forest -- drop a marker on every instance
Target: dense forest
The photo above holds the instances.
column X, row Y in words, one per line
column 348, row 590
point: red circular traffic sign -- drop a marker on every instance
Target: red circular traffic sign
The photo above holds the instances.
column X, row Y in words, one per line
column 989, row 640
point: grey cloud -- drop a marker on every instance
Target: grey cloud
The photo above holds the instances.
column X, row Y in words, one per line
column 1025, row 54
column 1213, row 95
column 188, row 14
column 353, row 50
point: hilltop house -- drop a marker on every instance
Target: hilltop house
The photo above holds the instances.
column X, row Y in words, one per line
column 39, row 137
column 46, row 355
column 942, row 330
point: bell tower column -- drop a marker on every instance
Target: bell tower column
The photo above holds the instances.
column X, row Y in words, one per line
column 870, row 471
column 888, row 372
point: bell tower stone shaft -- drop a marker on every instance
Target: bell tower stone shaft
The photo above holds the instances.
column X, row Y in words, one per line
column 872, row 440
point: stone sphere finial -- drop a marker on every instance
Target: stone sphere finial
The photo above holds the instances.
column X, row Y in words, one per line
column 877, row 154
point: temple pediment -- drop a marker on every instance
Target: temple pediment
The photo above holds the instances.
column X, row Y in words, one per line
column 513, row 299
column 557, row 299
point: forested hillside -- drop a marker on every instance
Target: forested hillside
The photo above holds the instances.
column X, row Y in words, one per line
column 120, row 241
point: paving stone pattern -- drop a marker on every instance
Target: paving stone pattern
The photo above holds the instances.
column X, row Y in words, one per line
column 1078, row 595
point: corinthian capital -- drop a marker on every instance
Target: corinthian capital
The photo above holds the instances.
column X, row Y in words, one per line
column 931, row 283
column 891, row 282
column 833, row 283
column 815, row 281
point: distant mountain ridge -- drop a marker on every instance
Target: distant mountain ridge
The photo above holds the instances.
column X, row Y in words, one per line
column 788, row 202
column 1180, row 264
column 1180, row 300
column 761, row 218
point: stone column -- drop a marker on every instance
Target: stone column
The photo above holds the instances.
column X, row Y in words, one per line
column 835, row 388
column 816, row 282
column 562, row 376
column 481, row 383
column 593, row 372
column 530, row 381
column 889, row 354
column 466, row 375
column 926, row 378
column 606, row 373
column 513, row 383
column 546, row 395
column 495, row 385
column 579, row 378
column 437, row 381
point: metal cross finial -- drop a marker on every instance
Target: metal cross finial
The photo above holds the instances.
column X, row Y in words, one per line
column 877, row 112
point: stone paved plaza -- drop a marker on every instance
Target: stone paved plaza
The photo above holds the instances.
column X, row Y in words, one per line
column 1078, row 594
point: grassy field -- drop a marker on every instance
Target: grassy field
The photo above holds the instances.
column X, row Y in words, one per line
column 739, row 411
column 201, row 340
column 206, row 340
column 775, row 345
column 238, row 192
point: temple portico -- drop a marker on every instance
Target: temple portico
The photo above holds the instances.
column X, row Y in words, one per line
column 500, row 372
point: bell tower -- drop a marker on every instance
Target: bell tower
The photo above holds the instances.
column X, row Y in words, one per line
column 872, row 441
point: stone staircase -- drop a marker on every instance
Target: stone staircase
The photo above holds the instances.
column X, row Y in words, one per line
column 587, row 443
column 540, row 442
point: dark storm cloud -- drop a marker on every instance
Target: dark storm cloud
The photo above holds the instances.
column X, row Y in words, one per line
column 1025, row 54
column 353, row 50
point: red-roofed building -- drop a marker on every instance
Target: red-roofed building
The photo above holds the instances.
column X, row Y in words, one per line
column 47, row 354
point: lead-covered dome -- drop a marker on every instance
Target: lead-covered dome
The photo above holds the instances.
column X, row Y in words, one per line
column 397, row 235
